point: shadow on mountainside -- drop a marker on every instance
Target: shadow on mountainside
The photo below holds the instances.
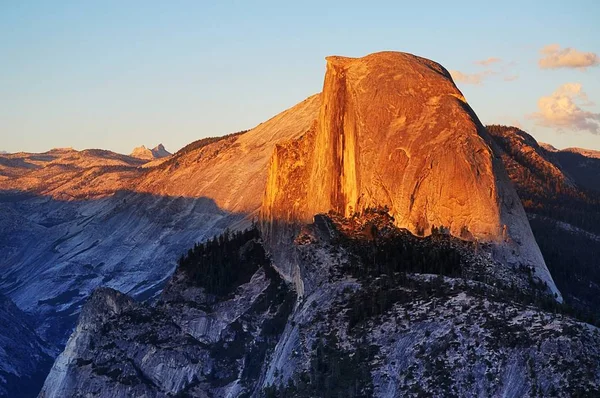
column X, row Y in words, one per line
column 55, row 253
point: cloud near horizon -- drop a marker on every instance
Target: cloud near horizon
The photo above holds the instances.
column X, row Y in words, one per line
column 469, row 78
column 554, row 57
column 492, row 66
column 562, row 110
column 489, row 61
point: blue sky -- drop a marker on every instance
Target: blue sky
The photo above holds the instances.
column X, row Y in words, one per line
column 116, row 74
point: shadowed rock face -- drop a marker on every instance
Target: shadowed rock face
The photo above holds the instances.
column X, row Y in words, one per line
column 393, row 130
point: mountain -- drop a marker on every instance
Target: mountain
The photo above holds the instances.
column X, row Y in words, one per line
column 355, row 281
column 559, row 190
column 70, row 226
column 588, row 153
column 372, row 321
column 582, row 165
column 157, row 152
column 393, row 130
column 61, row 172
column 25, row 358
column 345, row 281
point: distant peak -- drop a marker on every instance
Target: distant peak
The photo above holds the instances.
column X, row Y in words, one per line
column 157, row 152
column 590, row 153
column 548, row 147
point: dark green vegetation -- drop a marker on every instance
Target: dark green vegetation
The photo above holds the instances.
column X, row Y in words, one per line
column 381, row 248
column 333, row 372
column 455, row 317
column 206, row 141
column 224, row 262
column 383, row 256
column 573, row 260
column 123, row 339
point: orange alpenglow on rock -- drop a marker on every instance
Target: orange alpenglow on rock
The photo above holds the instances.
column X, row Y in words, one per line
column 393, row 130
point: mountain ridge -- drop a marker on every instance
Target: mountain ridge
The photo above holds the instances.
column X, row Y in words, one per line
column 71, row 228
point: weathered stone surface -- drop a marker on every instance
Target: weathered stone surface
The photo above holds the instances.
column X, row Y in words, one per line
column 393, row 130
column 358, row 330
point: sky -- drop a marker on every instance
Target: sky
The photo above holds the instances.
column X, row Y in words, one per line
column 120, row 74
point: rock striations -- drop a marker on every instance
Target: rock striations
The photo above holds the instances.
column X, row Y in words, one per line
column 393, row 130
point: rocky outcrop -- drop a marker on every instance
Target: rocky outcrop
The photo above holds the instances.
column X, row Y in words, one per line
column 360, row 329
column 158, row 152
column 393, row 130
column 190, row 343
column 25, row 358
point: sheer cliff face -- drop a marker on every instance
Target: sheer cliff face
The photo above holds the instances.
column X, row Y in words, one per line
column 393, row 130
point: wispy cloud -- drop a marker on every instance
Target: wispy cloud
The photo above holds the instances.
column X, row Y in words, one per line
column 469, row 78
column 516, row 123
column 554, row 57
column 491, row 66
column 489, row 61
column 562, row 110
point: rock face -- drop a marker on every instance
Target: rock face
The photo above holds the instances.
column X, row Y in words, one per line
column 72, row 221
column 359, row 330
column 393, row 130
column 559, row 190
column 25, row 358
column 157, row 152
column 190, row 343
column 231, row 171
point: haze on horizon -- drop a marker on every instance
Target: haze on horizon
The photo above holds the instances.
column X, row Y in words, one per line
column 118, row 75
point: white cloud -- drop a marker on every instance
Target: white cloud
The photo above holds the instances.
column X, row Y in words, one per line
column 562, row 110
column 510, row 78
column 554, row 57
column 489, row 61
column 469, row 78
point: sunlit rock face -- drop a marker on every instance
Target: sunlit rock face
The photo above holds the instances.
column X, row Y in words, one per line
column 393, row 130
column 158, row 152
